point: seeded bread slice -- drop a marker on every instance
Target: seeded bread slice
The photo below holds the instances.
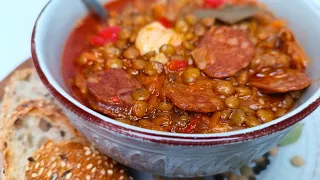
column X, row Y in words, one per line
column 27, row 129
column 24, row 85
column 73, row 160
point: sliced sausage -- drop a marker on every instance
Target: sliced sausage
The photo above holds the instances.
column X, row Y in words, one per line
column 288, row 45
column 110, row 92
column 299, row 59
column 193, row 99
column 281, row 81
column 223, row 52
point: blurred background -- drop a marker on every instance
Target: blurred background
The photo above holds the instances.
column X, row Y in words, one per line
column 17, row 18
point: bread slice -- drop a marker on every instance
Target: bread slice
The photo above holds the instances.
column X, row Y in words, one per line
column 24, row 85
column 27, row 129
column 73, row 160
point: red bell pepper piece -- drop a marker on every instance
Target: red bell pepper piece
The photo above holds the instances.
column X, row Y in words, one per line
column 165, row 22
column 97, row 41
column 115, row 99
column 192, row 125
column 110, row 34
column 176, row 65
column 213, row 3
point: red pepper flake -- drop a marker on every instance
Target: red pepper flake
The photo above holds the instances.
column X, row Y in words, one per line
column 192, row 125
column 213, row 3
column 115, row 99
column 165, row 22
column 110, row 34
column 176, row 65
column 97, row 41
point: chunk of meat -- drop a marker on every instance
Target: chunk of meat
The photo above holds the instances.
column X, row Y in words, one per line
column 223, row 52
column 281, row 82
column 110, row 92
column 193, row 99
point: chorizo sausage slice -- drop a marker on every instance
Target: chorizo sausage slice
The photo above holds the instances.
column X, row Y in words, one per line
column 193, row 99
column 110, row 92
column 281, row 82
column 223, row 52
column 288, row 45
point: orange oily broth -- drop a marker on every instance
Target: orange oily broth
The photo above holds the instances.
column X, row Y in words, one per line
column 244, row 105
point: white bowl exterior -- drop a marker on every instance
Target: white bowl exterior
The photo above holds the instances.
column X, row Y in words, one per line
column 55, row 25
column 172, row 160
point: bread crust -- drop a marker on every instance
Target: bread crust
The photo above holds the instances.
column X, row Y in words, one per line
column 72, row 160
column 36, row 110
column 23, row 85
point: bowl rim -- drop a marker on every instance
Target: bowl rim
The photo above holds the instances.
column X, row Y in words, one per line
column 107, row 123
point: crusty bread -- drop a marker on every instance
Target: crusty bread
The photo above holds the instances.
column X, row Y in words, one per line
column 72, row 160
column 26, row 130
column 24, row 85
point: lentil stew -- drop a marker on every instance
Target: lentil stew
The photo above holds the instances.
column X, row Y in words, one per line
column 155, row 65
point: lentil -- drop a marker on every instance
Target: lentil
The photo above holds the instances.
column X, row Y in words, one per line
column 112, row 52
column 297, row 161
column 167, row 49
column 150, row 69
column 243, row 91
column 181, row 26
column 149, row 55
column 232, row 102
column 114, row 64
column 238, row 117
column 141, row 94
column 140, row 108
column 280, row 112
column 242, row 77
column 188, row 45
column 252, row 121
column 139, row 64
column 265, row 115
column 191, row 74
column 189, row 36
column 191, row 19
column 165, row 106
column 131, row 53
column 225, row 88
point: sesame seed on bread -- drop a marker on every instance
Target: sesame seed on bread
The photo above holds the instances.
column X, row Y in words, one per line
column 72, row 160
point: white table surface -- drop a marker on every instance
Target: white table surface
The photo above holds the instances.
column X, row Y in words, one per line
column 17, row 18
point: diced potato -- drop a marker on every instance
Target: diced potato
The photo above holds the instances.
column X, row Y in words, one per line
column 154, row 35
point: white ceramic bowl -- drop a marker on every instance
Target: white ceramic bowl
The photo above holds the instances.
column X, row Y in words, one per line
column 168, row 154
